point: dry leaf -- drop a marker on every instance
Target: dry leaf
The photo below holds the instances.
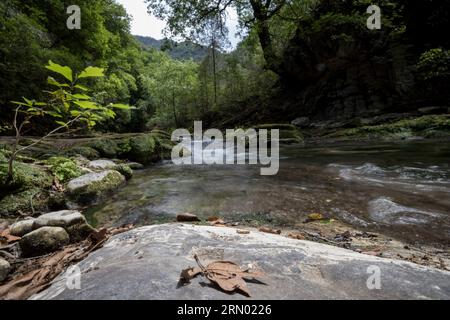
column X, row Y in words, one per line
column 33, row 275
column 225, row 274
column 296, row 236
column 7, row 237
column 269, row 230
column 241, row 231
column 188, row 274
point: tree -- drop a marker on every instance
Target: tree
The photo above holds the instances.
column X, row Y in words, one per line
column 69, row 106
column 187, row 18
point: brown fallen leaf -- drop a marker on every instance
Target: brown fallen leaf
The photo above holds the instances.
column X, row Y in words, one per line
column 212, row 219
column 225, row 274
column 241, row 231
column 188, row 274
column 270, row 230
column 217, row 223
column 7, row 238
column 296, row 236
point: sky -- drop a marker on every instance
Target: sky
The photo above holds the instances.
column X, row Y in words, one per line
column 144, row 24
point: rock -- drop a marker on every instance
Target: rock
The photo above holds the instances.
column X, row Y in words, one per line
column 43, row 240
column 5, row 267
column 72, row 221
column 21, row 228
column 187, row 217
column 135, row 166
column 301, row 122
column 101, row 165
column 88, row 188
column 124, row 170
column 295, row 269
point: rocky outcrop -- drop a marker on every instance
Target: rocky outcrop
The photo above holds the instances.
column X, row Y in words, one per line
column 43, row 240
column 5, row 267
column 145, row 263
column 88, row 188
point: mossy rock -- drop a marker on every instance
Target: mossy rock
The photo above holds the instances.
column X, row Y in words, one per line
column 105, row 147
column 124, row 170
column 426, row 126
column 89, row 188
column 87, row 152
column 28, row 190
column 143, row 149
column 23, row 202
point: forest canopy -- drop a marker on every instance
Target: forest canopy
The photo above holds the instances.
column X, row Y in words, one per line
column 295, row 57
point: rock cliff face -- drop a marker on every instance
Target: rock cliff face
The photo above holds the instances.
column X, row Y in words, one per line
column 145, row 263
column 336, row 68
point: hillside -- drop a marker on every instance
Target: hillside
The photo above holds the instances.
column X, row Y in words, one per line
column 179, row 51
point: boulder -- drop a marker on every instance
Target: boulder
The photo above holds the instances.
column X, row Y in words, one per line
column 88, row 188
column 43, row 240
column 101, row 164
column 145, row 263
column 5, row 267
column 21, row 228
column 72, row 221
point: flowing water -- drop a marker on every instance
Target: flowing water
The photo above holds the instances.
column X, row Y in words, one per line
column 399, row 189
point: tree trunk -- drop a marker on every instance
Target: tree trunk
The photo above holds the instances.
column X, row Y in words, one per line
column 263, row 29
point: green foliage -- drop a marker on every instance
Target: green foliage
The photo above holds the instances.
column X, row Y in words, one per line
column 63, row 169
column 435, row 64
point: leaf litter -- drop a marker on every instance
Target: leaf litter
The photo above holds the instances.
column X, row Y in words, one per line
column 32, row 275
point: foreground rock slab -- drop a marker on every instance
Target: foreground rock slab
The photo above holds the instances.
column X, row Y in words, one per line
column 145, row 263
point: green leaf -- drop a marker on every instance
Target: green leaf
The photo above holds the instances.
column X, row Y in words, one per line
column 81, row 96
column 91, row 72
column 19, row 103
column 86, row 104
column 53, row 82
column 79, row 86
column 62, row 124
column 121, row 106
column 66, row 72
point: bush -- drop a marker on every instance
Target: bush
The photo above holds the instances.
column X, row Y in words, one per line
column 64, row 169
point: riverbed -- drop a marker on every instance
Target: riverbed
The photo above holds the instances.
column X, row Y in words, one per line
column 398, row 189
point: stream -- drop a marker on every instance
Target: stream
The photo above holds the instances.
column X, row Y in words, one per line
column 398, row 189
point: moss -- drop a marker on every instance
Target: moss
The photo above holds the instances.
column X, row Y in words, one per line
column 426, row 126
column 96, row 189
column 143, row 149
column 106, row 147
column 124, row 170
column 26, row 192
column 87, row 152
column 63, row 168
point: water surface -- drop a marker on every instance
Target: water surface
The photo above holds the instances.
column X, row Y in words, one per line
column 399, row 189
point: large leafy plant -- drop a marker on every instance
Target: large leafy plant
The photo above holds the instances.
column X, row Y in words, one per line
column 68, row 104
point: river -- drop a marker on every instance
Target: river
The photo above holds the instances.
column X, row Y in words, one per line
column 398, row 189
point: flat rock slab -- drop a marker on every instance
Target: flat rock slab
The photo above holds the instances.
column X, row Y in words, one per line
column 145, row 263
